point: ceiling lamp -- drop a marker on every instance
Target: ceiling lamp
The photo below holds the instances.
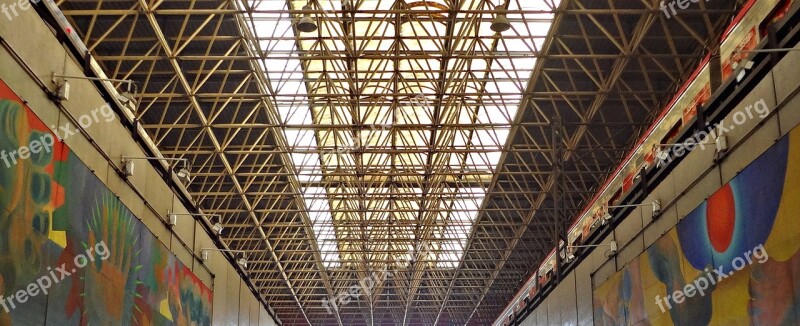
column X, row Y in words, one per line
column 500, row 22
column 306, row 24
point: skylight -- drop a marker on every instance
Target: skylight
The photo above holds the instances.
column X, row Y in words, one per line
column 395, row 114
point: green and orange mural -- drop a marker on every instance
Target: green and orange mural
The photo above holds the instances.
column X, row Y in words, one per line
column 52, row 208
column 759, row 207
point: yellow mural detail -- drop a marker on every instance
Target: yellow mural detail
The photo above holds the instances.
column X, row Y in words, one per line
column 783, row 242
column 164, row 310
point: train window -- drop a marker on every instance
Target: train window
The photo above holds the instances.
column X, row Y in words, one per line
column 672, row 132
column 615, row 199
column 775, row 16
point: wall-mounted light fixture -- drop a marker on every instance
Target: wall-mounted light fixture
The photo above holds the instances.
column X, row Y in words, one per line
column 606, row 218
column 747, row 64
column 611, row 251
column 216, row 227
column 655, row 204
column 128, row 97
column 182, row 173
column 241, row 260
column 721, row 144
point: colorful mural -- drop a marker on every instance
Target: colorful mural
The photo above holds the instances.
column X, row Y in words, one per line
column 734, row 260
column 53, row 213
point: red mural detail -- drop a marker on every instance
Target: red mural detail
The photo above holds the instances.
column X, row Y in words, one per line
column 721, row 218
column 195, row 281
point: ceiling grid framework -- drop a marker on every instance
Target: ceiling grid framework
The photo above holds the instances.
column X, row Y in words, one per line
column 400, row 136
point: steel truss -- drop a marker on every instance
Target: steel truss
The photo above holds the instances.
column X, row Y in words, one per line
column 401, row 135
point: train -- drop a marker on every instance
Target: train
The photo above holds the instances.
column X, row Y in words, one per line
column 743, row 34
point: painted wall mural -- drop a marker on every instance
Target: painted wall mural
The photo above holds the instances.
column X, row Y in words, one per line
column 734, row 260
column 70, row 252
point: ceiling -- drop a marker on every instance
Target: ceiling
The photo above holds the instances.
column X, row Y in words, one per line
column 402, row 141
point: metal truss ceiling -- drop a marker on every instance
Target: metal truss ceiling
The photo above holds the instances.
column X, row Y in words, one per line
column 401, row 136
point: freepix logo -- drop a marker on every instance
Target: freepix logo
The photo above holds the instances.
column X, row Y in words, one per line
column 699, row 138
column 45, row 143
column 710, row 277
column 682, row 4
column 53, row 277
column 10, row 10
column 375, row 130
column 366, row 285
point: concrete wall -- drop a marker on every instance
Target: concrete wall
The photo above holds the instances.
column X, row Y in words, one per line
column 694, row 180
column 149, row 198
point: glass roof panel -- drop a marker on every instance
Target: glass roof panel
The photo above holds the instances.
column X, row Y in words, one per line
column 412, row 103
